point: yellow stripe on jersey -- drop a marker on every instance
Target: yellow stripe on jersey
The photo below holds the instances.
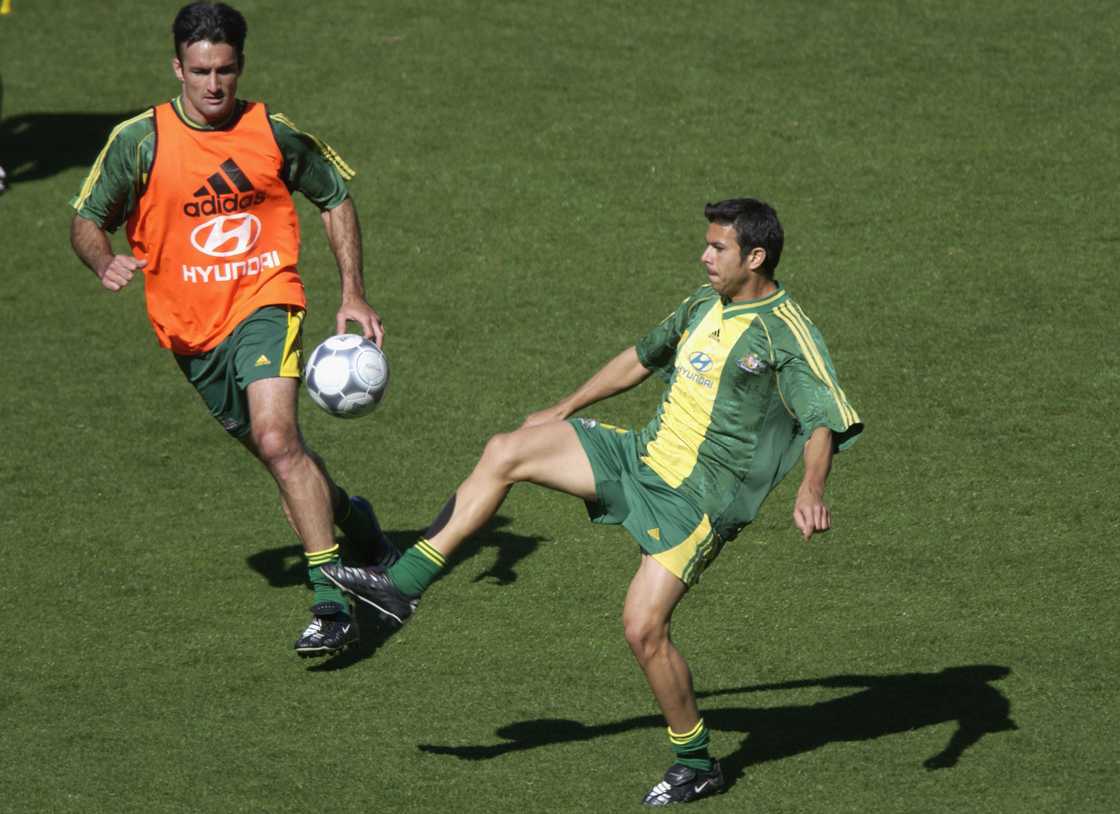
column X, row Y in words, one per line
column 431, row 552
column 95, row 171
column 797, row 322
column 327, row 151
column 687, row 413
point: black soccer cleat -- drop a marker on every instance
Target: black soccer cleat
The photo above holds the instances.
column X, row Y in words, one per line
column 682, row 784
column 331, row 631
column 362, row 530
column 373, row 586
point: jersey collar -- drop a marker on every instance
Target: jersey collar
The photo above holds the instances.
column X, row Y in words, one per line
column 762, row 304
column 234, row 117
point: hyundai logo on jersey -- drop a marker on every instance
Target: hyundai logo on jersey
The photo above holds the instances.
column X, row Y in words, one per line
column 700, row 361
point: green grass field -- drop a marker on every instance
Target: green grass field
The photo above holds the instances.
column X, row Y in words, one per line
column 531, row 183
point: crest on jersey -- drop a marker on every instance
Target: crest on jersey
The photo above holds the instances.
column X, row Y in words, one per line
column 752, row 364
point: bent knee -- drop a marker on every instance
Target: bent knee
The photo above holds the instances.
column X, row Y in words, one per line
column 503, row 455
column 646, row 637
column 278, row 450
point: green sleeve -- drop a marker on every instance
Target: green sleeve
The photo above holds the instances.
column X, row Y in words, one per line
column 809, row 387
column 658, row 348
column 311, row 166
column 111, row 189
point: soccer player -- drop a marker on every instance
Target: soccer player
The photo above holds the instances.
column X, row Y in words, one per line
column 751, row 388
column 203, row 185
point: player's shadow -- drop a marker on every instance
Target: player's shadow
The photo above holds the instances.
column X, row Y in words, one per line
column 881, row 705
column 34, row 146
column 285, row 567
column 509, row 550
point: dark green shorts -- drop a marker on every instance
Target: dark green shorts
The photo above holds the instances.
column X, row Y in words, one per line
column 265, row 345
column 668, row 527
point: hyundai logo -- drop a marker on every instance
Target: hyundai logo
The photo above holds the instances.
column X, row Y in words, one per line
column 700, row 361
column 227, row 235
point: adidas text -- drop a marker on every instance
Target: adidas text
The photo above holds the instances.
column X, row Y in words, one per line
column 226, row 203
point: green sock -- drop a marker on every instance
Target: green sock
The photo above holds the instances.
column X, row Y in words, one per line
column 417, row 568
column 691, row 748
column 325, row 590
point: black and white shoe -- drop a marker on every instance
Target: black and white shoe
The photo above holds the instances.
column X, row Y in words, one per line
column 373, row 586
column 331, row 631
column 682, row 784
column 362, row 529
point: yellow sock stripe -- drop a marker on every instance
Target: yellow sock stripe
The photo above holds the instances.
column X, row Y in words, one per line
column 426, row 548
column 804, row 338
column 320, row 557
column 328, row 152
column 680, row 740
column 95, row 170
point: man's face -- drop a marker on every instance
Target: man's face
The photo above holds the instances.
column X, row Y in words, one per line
column 209, row 73
column 727, row 271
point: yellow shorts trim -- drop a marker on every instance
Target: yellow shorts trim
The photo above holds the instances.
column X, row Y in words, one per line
column 291, row 364
column 689, row 559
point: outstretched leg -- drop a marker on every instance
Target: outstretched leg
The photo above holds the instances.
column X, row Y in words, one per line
column 546, row 454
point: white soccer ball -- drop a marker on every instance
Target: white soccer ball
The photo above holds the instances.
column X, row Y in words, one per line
column 347, row 375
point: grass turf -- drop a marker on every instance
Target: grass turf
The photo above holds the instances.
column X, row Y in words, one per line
column 531, row 184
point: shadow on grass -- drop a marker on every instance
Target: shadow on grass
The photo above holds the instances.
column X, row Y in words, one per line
column 285, row 567
column 884, row 705
column 34, row 146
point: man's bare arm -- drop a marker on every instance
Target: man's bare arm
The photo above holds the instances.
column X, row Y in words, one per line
column 620, row 373
column 345, row 237
column 810, row 514
column 91, row 244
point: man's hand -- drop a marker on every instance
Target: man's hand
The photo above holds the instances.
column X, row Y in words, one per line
column 810, row 515
column 547, row 416
column 359, row 311
column 91, row 244
column 119, row 271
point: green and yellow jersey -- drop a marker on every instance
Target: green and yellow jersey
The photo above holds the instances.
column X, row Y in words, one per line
column 120, row 174
column 748, row 383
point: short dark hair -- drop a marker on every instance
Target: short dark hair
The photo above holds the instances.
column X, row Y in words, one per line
column 210, row 22
column 756, row 226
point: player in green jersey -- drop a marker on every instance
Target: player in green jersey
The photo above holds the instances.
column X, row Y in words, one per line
column 250, row 380
column 751, row 388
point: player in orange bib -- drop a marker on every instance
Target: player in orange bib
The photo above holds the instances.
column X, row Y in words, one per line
column 203, row 186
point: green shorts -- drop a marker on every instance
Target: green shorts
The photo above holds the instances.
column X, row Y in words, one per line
column 265, row 345
column 668, row 527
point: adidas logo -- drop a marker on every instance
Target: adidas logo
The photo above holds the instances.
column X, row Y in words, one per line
column 262, row 361
column 654, row 534
column 218, row 196
column 714, row 334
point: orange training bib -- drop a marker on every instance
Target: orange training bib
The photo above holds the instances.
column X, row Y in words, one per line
column 218, row 228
